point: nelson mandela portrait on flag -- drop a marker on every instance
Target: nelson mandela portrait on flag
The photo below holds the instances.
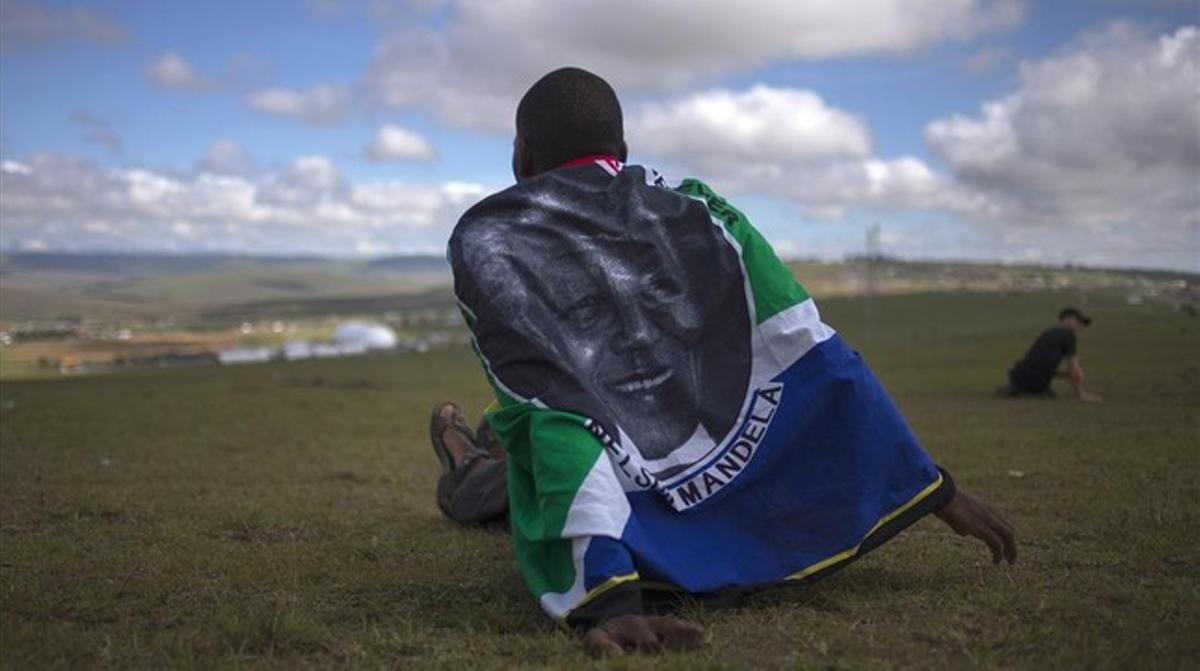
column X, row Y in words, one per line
column 613, row 319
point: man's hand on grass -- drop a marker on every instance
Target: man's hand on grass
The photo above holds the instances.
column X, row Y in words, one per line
column 969, row 516
column 643, row 633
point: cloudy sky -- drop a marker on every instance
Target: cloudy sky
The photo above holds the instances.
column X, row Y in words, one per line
column 978, row 129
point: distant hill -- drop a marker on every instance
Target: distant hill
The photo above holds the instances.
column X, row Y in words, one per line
column 425, row 263
column 895, row 276
column 438, row 299
column 129, row 288
column 105, row 287
column 160, row 264
column 110, row 264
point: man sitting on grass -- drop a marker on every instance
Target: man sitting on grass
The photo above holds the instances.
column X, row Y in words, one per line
column 1031, row 376
column 676, row 417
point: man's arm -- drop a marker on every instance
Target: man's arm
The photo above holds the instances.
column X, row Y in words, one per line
column 970, row 516
column 1075, row 375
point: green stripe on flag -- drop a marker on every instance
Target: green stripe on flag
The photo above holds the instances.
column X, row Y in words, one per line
column 773, row 286
column 550, row 454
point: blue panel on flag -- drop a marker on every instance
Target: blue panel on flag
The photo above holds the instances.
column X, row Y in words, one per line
column 836, row 461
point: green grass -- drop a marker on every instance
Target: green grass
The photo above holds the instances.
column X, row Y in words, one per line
column 282, row 516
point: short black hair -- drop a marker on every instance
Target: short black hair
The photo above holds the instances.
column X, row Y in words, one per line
column 568, row 114
column 1074, row 312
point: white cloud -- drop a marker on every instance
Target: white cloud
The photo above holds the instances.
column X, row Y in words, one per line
column 97, row 130
column 1095, row 158
column 1101, row 138
column 34, row 245
column 68, row 203
column 760, row 124
column 393, row 143
column 15, row 167
column 782, row 142
column 471, row 71
column 23, row 23
column 314, row 172
column 227, row 157
column 320, row 104
column 172, row 72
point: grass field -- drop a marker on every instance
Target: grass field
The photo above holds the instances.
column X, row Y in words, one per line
column 282, row 516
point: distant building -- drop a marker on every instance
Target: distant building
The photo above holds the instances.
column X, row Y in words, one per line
column 353, row 335
column 294, row 350
column 238, row 355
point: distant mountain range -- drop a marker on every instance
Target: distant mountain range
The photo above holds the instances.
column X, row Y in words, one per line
column 219, row 289
column 131, row 287
column 159, row 264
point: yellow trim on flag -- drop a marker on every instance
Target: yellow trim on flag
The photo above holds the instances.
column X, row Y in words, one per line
column 845, row 554
column 605, row 586
column 600, row 589
column 799, row 575
column 660, row 586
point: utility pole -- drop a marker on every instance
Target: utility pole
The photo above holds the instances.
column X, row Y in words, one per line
column 874, row 255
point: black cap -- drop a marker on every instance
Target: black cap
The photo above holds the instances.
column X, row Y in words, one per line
column 1074, row 312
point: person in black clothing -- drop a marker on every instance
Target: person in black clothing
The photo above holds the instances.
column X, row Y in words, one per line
column 1031, row 376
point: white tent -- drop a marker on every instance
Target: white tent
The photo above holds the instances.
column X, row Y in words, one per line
column 367, row 335
column 245, row 355
column 297, row 349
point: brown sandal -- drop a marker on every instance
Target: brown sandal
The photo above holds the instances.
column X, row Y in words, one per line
column 437, row 428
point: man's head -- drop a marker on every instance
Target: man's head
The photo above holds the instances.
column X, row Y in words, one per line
column 568, row 114
column 1072, row 318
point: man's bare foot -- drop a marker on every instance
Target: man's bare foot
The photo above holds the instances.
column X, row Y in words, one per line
column 642, row 633
column 1089, row 397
